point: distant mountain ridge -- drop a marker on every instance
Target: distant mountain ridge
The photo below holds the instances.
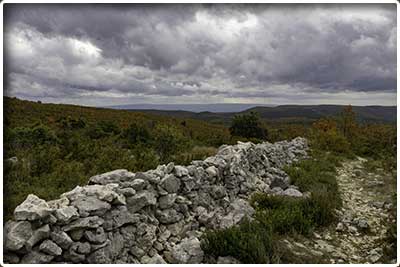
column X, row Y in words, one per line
column 289, row 113
column 217, row 107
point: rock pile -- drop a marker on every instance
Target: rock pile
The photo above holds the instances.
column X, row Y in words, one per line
column 156, row 216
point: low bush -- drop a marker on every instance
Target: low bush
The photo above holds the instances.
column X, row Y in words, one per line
column 249, row 242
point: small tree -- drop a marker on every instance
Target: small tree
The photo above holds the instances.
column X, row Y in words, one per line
column 248, row 125
column 348, row 122
column 168, row 142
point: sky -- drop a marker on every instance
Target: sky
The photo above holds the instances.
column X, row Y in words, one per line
column 100, row 55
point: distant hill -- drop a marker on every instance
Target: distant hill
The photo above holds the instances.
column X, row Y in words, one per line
column 219, row 107
column 291, row 113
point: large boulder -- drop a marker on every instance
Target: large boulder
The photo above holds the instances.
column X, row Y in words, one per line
column 33, row 208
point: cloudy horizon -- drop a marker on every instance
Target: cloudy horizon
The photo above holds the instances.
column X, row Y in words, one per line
column 274, row 54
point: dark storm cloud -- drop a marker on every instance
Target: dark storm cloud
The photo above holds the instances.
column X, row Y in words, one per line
column 196, row 51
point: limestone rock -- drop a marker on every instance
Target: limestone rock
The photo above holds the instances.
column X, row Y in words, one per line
column 140, row 200
column 227, row 260
column 38, row 235
column 66, row 214
column 36, row 257
column 33, row 208
column 187, row 252
column 91, row 205
column 51, row 248
column 17, row 234
column 115, row 176
column 166, row 201
column 96, row 236
column 181, row 171
column 291, row 192
column 238, row 210
column 88, row 222
column 156, row 259
column 168, row 216
column 61, row 238
column 170, row 183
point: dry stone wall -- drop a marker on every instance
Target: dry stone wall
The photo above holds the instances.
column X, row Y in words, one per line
column 156, row 216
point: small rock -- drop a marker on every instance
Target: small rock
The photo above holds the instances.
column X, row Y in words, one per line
column 165, row 202
column 61, row 238
column 227, row 260
column 36, row 257
column 171, row 184
column 51, row 248
column 291, row 192
column 181, row 171
column 212, row 171
column 38, row 235
column 66, row 214
column 375, row 254
column 340, row 227
column 96, row 236
column 168, row 216
column 77, row 234
column 352, row 229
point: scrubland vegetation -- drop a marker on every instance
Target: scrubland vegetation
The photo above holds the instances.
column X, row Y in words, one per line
column 60, row 146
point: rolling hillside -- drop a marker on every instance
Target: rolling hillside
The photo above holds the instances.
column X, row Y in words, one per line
column 290, row 113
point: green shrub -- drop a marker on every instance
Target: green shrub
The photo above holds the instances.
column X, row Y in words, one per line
column 26, row 137
column 249, row 242
column 168, row 142
column 137, row 134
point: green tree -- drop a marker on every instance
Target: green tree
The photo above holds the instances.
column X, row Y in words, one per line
column 248, row 125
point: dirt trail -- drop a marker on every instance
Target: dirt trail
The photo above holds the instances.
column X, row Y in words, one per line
column 358, row 237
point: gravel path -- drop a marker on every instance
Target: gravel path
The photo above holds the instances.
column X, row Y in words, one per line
column 359, row 235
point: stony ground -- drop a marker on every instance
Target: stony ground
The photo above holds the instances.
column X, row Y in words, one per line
column 358, row 236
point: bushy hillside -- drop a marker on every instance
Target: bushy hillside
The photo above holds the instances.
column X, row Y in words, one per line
column 56, row 147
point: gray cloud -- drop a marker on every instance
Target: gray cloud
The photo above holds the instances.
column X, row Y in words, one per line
column 191, row 53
